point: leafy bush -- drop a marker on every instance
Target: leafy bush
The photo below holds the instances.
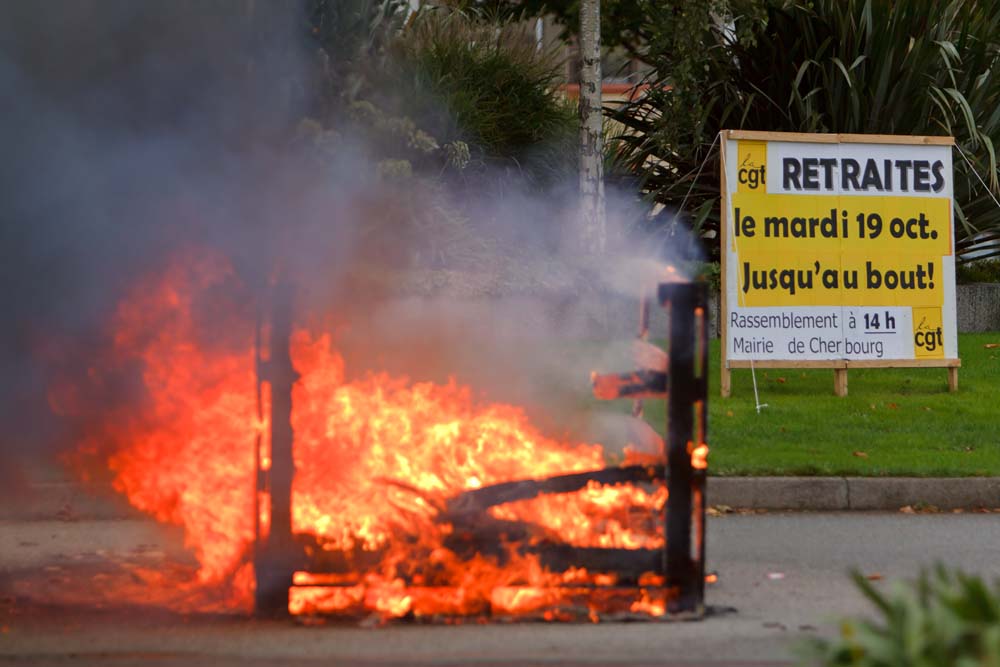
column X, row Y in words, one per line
column 422, row 99
column 624, row 23
column 464, row 77
column 944, row 619
column 353, row 35
column 860, row 66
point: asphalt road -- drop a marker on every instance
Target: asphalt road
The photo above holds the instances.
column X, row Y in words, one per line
column 785, row 574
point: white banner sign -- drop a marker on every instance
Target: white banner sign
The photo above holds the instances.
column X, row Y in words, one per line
column 838, row 250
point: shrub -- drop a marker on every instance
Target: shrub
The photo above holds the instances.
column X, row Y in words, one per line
column 945, row 618
column 397, row 94
column 463, row 77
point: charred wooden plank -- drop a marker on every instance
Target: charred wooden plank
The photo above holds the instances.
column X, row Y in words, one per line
column 469, row 535
column 686, row 420
column 580, row 602
column 635, row 384
column 321, row 560
column 478, row 500
column 479, row 533
column 276, row 554
column 442, row 604
column 628, row 564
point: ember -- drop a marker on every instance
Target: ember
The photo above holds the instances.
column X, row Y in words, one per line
column 380, row 510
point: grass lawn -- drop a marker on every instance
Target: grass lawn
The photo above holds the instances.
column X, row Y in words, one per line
column 893, row 422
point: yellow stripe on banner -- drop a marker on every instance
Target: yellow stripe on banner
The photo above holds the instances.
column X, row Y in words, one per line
column 829, row 279
column 800, row 250
column 862, row 225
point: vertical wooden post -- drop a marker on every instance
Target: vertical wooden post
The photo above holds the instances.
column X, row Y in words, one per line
column 725, row 377
column 840, row 381
column 686, row 422
column 275, row 560
column 953, row 378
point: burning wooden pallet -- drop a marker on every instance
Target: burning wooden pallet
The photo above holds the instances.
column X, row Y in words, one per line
column 663, row 578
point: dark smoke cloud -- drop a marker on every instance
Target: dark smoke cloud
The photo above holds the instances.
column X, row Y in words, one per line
column 128, row 129
column 131, row 128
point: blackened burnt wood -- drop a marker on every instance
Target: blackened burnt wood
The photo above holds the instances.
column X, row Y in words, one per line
column 499, row 540
column 321, row 560
column 483, row 534
column 479, row 500
column 680, row 432
column 686, row 424
column 635, row 384
column 628, row 564
column 276, row 555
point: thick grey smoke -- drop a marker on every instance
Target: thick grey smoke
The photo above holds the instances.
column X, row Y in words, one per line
column 127, row 129
column 132, row 129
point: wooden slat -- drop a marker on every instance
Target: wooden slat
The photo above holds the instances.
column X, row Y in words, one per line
column 628, row 564
column 831, row 138
column 848, row 363
column 725, row 379
column 905, row 363
column 478, row 500
column 491, row 538
column 635, row 384
column 754, row 135
column 895, row 139
column 797, row 363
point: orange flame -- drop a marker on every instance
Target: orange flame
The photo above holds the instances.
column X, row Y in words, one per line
column 699, row 457
column 375, row 459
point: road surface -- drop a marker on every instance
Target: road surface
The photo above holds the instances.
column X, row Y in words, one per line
column 785, row 574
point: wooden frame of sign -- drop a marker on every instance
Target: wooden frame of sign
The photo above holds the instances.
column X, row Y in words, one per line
column 839, row 366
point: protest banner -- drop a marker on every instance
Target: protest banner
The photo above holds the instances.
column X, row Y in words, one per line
column 837, row 252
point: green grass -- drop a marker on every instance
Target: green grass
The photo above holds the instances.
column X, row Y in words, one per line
column 903, row 421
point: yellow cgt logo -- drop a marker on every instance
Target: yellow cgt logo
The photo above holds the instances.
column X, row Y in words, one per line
column 751, row 168
column 928, row 339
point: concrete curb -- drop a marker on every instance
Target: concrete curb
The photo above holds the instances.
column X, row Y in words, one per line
column 70, row 501
column 854, row 493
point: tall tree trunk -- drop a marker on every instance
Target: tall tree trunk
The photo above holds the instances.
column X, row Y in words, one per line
column 594, row 234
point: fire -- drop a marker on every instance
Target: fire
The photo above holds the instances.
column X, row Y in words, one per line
column 353, row 438
column 699, row 457
column 376, row 459
column 596, row 516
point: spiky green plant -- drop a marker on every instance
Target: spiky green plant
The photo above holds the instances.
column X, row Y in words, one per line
column 466, row 77
column 860, row 66
column 944, row 619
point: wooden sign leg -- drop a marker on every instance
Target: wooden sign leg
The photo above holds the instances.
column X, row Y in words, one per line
column 725, row 381
column 840, row 381
column 952, row 378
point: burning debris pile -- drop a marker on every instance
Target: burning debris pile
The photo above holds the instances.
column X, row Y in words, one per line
column 408, row 499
